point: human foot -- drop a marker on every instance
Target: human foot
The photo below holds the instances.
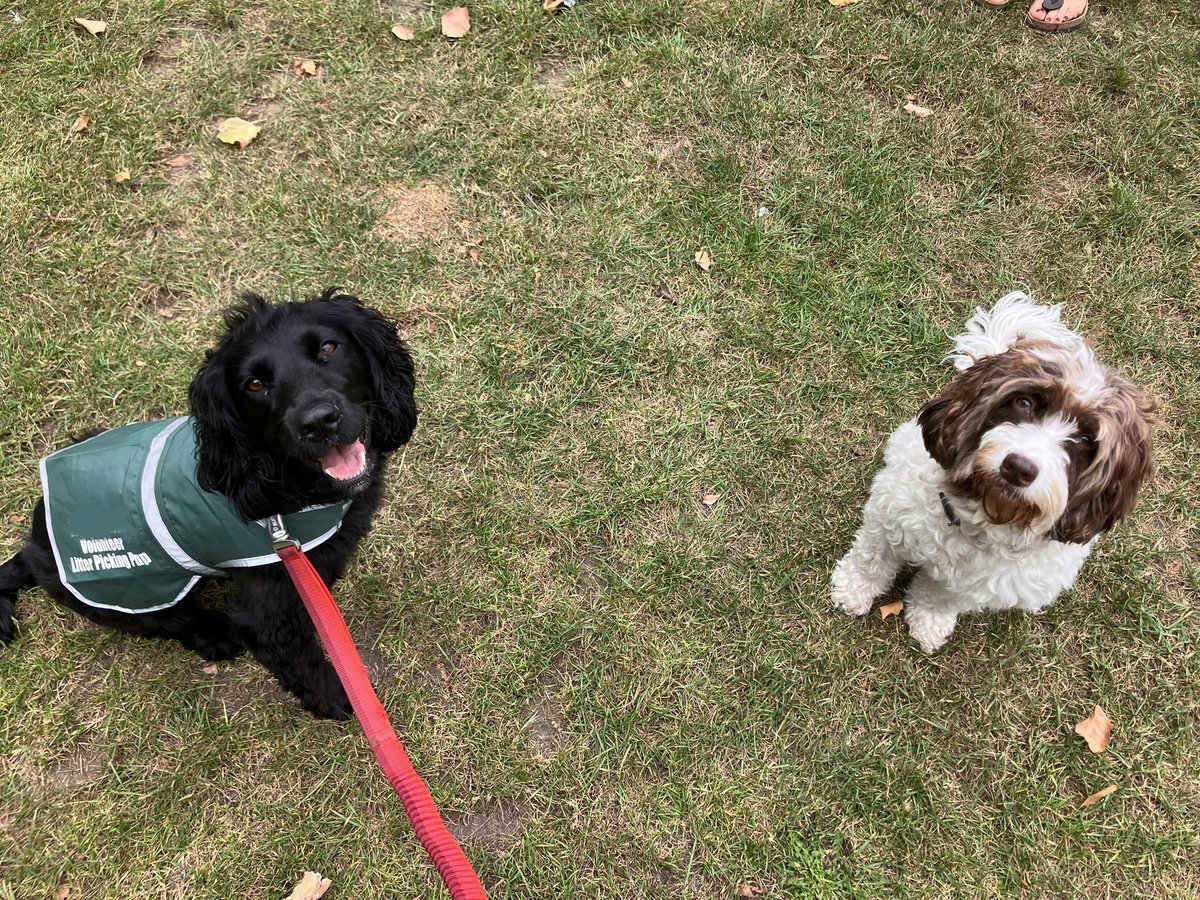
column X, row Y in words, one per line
column 1057, row 15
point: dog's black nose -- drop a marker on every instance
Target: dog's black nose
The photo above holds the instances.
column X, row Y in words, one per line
column 319, row 422
column 1018, row 470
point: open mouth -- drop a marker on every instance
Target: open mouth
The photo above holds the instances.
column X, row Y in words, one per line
column 347, row 463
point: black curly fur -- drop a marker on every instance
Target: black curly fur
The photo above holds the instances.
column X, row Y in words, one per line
column 252, row 449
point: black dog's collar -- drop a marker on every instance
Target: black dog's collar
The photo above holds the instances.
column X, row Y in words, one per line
column 951, row 515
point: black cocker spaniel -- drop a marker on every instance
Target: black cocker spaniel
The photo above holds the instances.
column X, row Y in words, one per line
column 294, row 413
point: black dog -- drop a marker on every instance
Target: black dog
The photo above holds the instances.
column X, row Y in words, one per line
column 294, row 413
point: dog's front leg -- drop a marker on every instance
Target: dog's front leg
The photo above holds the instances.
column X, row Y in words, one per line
column 930, row 611
column 275, row 626
column 865, row 572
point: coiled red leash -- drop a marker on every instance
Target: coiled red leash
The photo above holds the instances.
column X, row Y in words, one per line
column 439, row 843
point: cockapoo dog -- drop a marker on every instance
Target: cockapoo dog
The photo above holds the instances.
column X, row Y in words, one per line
column 295, row 413
column 999, row 488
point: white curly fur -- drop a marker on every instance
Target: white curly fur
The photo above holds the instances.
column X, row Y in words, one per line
column 975, row 565
column 971, row 567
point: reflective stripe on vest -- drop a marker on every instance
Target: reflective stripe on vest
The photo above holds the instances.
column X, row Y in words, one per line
column 133, row 531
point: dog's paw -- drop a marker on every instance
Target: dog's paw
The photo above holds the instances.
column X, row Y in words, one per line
column 929, row 630
column 213, row 637
column 850, row 594
column 8, row 627
column 335, row 706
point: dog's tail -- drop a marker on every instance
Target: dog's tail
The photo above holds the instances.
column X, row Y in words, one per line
column 15, row 575
column 1015, row 316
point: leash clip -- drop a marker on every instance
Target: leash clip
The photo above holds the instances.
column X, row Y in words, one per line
column 279, row 534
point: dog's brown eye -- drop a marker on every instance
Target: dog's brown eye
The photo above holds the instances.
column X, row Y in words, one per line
column 1023, row 404
column 327, row 349
column 255, row 385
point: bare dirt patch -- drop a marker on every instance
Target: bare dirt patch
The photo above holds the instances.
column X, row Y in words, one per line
column 403, row 8
column 414, row 213
column 167, row 56
column 496, row 825
column 544, row 718
column 552, row 74
column 47, row 436
column 76, row 770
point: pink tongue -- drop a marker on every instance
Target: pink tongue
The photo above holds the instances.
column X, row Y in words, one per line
column 345, row 462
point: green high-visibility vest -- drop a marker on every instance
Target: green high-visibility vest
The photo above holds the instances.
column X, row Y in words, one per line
column 133, row 531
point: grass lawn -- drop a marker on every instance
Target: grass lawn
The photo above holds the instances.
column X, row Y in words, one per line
column 613, row 688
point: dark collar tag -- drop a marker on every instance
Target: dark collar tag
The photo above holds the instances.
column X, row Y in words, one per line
column 951, row 515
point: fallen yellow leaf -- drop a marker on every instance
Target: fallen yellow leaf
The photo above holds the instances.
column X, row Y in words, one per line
column 551, row 5
column 709, row 499
column 1096, row 729
column 704, row 259
column 94, row 27
column 456, row 22
column 1099, row 795
column 311, row 886
column 80, row 124
column 121, row 175
column 920, row 112
column 626, row 82
column 891, row 609
column 237, row 131
column 840, row 2
column 304, row 67
column 402, row 31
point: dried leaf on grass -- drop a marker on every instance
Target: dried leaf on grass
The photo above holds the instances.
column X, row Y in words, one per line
column 1099, row 795
column 237, row 131
column 891, row 609
column 921, row 112
column 311, row 886
column 709, row 499
column 178, row 162
column 80, row 124
column 456, row 22
column 121, row 175
column 304, row 67
column 704, row 260
column 62, row 892
column 1096, row 729
column 841, row 2
column 402, row 31
column 94, row 27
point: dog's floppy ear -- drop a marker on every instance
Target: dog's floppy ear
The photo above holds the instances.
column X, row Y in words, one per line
column 952, row 421
column 393, row 411
column 229, row 460
column 1108, row 489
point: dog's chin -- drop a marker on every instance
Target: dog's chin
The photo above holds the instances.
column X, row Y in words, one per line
column 1004, row 506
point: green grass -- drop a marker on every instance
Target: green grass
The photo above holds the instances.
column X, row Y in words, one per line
column 613, row 691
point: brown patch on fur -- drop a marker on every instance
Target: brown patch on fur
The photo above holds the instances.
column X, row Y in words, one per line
column 1107, row 490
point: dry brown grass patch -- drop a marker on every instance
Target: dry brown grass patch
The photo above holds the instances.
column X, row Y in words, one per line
column 415, row 213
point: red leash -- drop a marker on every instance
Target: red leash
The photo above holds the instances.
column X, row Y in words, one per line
column 438, row 842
